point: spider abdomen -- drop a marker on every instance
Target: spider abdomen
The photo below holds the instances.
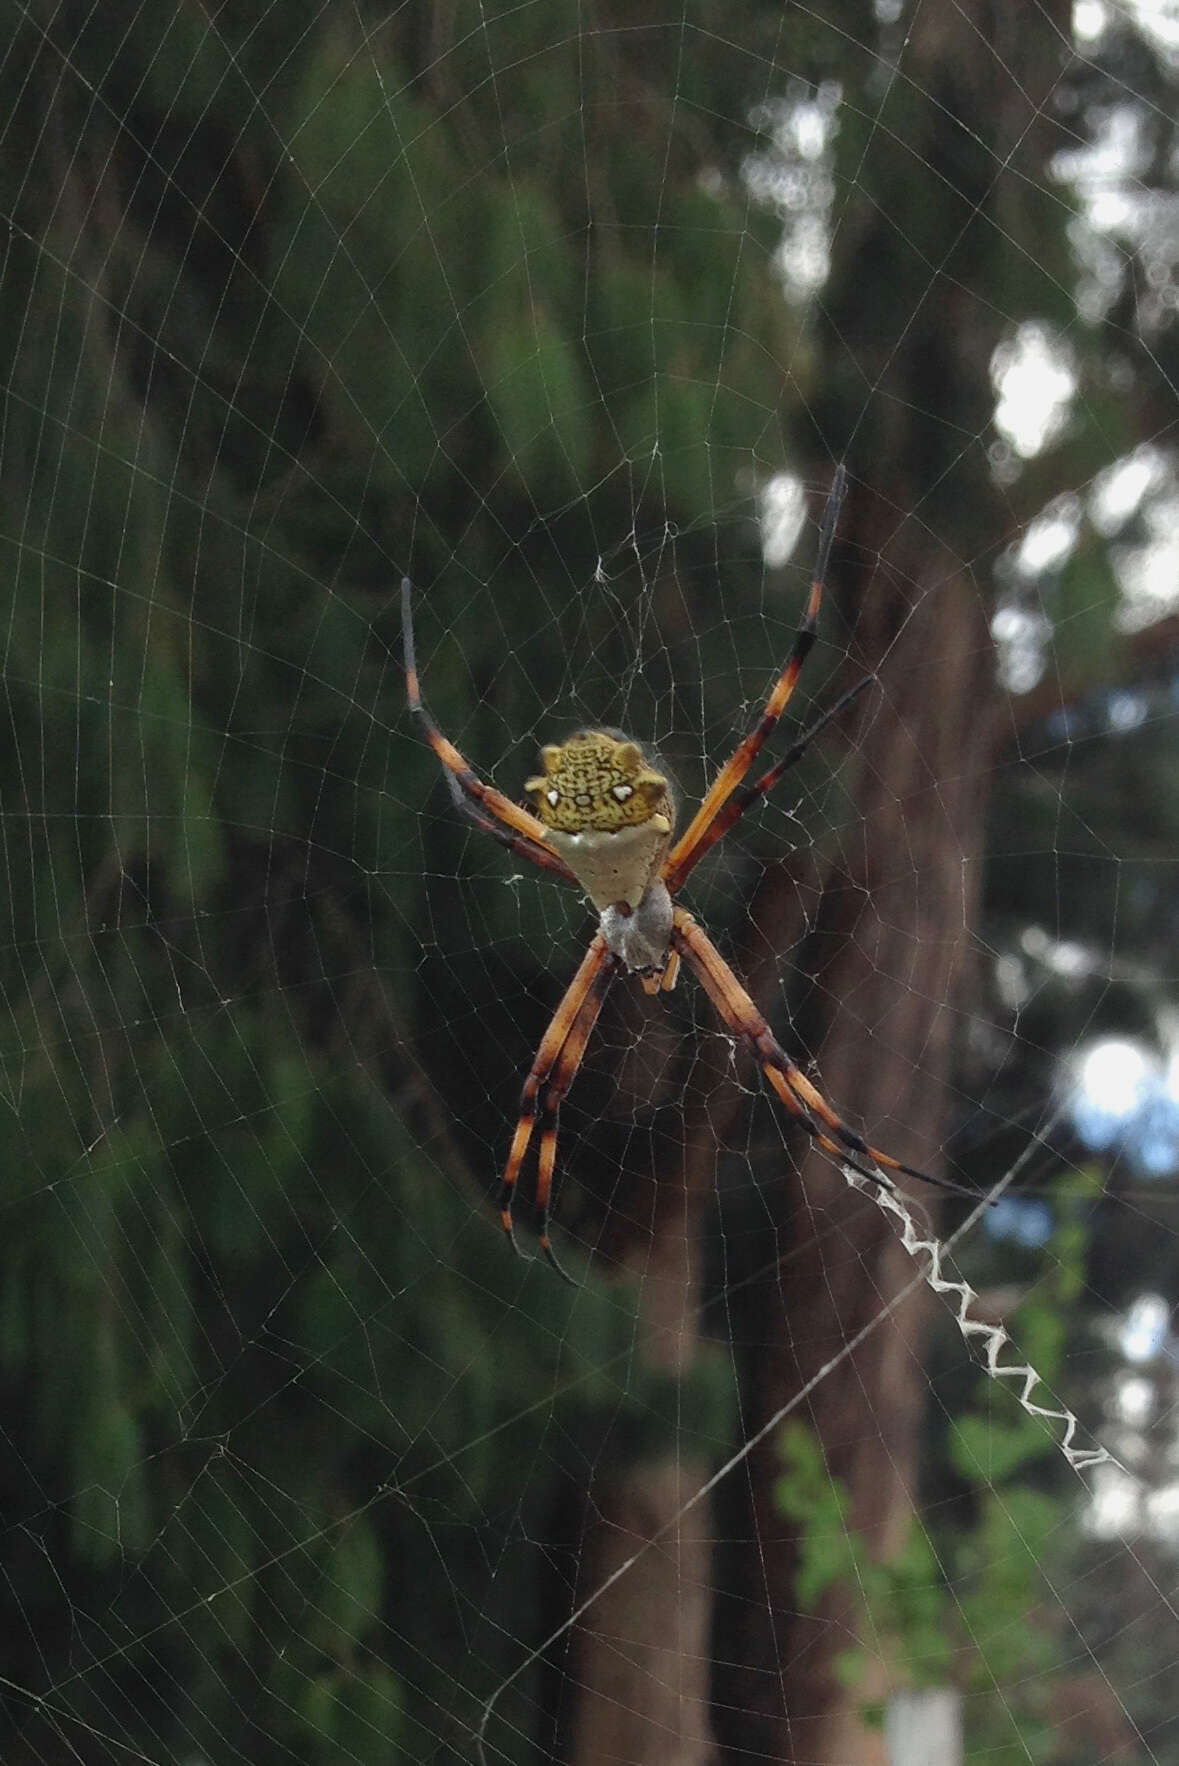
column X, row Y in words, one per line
column 617, row 867
column 640, row 937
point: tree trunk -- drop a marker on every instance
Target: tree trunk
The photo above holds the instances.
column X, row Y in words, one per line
column 885, row 958
column 642, row 1656
column 642, row 1651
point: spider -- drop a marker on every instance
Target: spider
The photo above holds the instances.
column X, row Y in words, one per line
column 604, row 821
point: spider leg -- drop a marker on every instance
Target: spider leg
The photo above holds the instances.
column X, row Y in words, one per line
column 802, row 1099
column 740, row 801
column 561, row 1078
column 550, row 1065
column 684, row 853
column 488, row 808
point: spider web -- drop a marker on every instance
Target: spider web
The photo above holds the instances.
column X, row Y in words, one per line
column 570, row 317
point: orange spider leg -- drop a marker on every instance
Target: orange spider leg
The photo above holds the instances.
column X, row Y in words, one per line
column 488, row 808
column 596, row 970
column 735, row 1008
column 655, row 981
column 687, row 848
column 741, row 800
column 563, row 1074
column 802, row 1099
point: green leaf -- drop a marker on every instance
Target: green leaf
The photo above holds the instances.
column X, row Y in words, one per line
column 983, row 1448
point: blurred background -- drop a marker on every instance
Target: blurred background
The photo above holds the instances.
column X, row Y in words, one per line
column 569, row 314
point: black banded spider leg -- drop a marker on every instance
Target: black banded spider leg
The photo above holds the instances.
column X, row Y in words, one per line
column 488, row 808
column 688, row 848
column 740, row 801
column 552, row 1073
column 562, row 1077
column 802, row 1099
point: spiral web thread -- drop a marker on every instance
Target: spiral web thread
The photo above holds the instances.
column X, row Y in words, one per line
column 993, row 1337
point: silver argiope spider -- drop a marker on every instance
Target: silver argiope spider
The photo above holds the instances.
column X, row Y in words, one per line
column 604, row 822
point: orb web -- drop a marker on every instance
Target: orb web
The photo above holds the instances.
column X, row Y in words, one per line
column 570, row 319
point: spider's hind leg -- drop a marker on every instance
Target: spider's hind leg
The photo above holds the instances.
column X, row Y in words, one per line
column 549, row 1078
column 562, row 1077
column 802, row 1099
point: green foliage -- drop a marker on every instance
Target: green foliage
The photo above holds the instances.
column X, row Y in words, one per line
column 540, row 405
column 902, row 1600
column 970, row 1608
column 283, row 319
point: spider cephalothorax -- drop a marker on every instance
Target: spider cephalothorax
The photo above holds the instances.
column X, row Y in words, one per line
column 604, row 819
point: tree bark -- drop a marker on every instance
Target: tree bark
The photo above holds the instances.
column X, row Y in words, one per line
column 642, row 1655
column 885, row 958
